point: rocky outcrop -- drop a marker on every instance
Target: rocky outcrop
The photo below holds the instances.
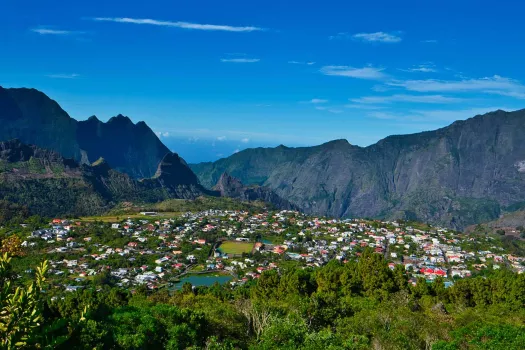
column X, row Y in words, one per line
column 229, row 186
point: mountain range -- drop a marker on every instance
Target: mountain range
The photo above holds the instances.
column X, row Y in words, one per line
column 469, row 172
column 466, row 173
column 33, row 118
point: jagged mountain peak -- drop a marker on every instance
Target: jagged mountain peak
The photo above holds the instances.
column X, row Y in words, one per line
column 121, row 119
column 227, row 184
column 93, row 118
column 34, row 118
column 174, row 170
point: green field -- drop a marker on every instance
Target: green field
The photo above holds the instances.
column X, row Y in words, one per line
column 118, row 218
column 234, row 247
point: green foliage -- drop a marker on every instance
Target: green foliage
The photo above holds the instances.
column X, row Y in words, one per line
column 357, row 305
column 486, row 337
column 20, row 308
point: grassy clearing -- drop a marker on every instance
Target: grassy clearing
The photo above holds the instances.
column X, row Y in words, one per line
column 118, row 218
column 234, row 247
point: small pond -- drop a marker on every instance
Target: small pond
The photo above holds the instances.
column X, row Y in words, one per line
column 201, row 280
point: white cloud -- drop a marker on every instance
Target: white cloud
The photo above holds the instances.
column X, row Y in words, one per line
column 381, row 88
column 381, row 37
column 369, row 72
column 364, row 106
column 63, row 76
column 245, row 140
column 515, row 94
column 328, row 109
column 426, row 116
column 495, row 83
column 300, row 62
column 318, row 100
column 184, row 25
column 406, row 98
column 429, row 41
column 221, row 138
column 240, row 60
column 422, row 68
column 46, row 31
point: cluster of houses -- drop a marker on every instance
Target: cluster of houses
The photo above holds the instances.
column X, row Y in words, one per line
column 157, row 250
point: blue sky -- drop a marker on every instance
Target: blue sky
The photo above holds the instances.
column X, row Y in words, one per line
column 212, row 77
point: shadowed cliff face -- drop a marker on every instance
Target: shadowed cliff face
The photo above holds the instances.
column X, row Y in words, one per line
column 32, row 117
column 229, row 186
column 127, row 147
column 465, row 173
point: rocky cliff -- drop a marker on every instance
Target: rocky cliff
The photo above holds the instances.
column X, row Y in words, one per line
column 465, row 173
column 229, row 186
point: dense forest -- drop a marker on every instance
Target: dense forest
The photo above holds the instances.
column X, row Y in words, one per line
column 358, row 305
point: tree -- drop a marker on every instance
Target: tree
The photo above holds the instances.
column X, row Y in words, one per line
column 267, row 285
column 375, row 274
column 21, row 307
column 400, row 277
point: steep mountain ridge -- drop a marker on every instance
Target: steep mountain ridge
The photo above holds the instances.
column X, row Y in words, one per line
column 32, row 117
column 49, row 184
column 465, row 173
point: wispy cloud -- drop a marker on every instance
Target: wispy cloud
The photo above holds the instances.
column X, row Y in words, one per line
column 381, row 88
column 63, row 76
column 422, row 68
column 183, row 25
column 379, row 37
column 329, row 109
column 240, row 60
column 245, row 140
column 371, row 73
column 221, row 138
column 270, row 136
column 364, row 106
column 493, row 85
column 300, row 62
column 163, row 134
column 47, row 31
column 341, row 35
column 430, row 116
column 439, row 99
column 515, row 94
column 429, row 41
column 317, row 100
